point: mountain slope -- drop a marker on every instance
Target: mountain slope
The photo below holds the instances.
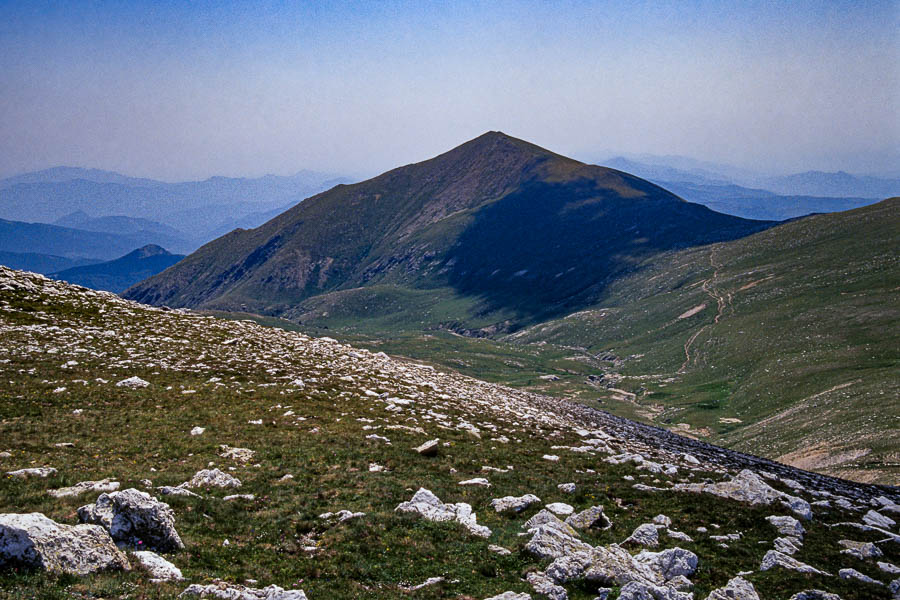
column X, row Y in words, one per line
column 310, row 428
column 518, row 231
column 120, row 274
column 782, row 343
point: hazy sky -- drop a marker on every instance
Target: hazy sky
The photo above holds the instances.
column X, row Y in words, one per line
column 184, row 90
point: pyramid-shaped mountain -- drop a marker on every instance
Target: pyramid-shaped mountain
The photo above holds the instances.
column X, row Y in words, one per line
column 516, row 227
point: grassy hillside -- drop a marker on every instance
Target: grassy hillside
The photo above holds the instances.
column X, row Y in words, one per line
column 782, row 343
column 65, row 349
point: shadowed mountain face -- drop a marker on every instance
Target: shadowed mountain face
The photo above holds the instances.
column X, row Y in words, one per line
column 515, row 226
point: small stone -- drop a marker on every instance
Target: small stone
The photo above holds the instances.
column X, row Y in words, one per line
column 499, row 550
column 230, row 591
column 212, row 478
column 773, row 558
column 566, row 488
column 429, row 448
column 104, row 485
column 510, row 596
column 42, row 472
column 159, row 568
column 591, row 517
column 478, row 482
column 198, row 430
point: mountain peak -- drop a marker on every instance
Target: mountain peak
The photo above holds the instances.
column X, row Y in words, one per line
column 150, row 250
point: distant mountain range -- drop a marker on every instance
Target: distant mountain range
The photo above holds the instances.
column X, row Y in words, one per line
column 183, row 215
column 119, row 274
column 777, row 198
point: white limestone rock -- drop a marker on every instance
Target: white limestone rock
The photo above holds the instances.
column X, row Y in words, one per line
column 133, row 383
column 510, row 596
column 429, row 448
column 736, row 589
column 773, row 559
column 560, row 508
column 230, row 591
column 159, row 568
column 815, row 595
column 242, row 455
column 42, row 472
column 545, row 587
column 788, row 526
column 104, row 485
column 591, row 517
column 135, row 518
column 549, row 541
column 854, row 574
column 477, row 482
column 639, row 590
column 35, row 540
column 207, row 478
column 425, row 504
column 514, row 503
column 566, row 488
column 646, row 535
column 749, row 487
column 876, row 519
column 861, row 550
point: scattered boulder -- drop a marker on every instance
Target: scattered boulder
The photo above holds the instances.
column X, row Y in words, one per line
column 429, row 448
column 230, row 591
column 560, row 508
column 478, row 482
column 670, row 563
column 341, row 516
column 239, row 454
column 135, row 518
column 566, row 488
column 815, row 595
column 591, row 517
column 104, row 485
column 773, row 559
column 167, row 490
column 544, row 586
column 854, row 574
column 861, row 550
column 749, row 487
column 876, row 519
column 510, row 596
column 736, row 589
column 788, row 526
column 514, row 503
column 159, row 568
column 549, row 541
column 646, row 535
column 787, row 545
column 133, row 383
column 35, row 540
column 427, row 505
column 198, row 430
column 499, row 550
column 42, row 472
column 639, row 590
column 206, row 478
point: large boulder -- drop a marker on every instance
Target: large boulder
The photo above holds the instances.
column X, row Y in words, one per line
column 135, row 518
column 230, row 591
column 37, row 541
column 591, row 517
column 736, row 589
column 425, row 504
column 749, row 487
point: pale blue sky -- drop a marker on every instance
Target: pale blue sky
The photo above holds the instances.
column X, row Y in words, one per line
column 179, row 90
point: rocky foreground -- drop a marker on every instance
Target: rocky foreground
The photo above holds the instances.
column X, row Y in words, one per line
column 157, row 453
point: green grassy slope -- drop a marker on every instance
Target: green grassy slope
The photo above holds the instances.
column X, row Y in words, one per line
column 65, row 348
column 797, row 339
